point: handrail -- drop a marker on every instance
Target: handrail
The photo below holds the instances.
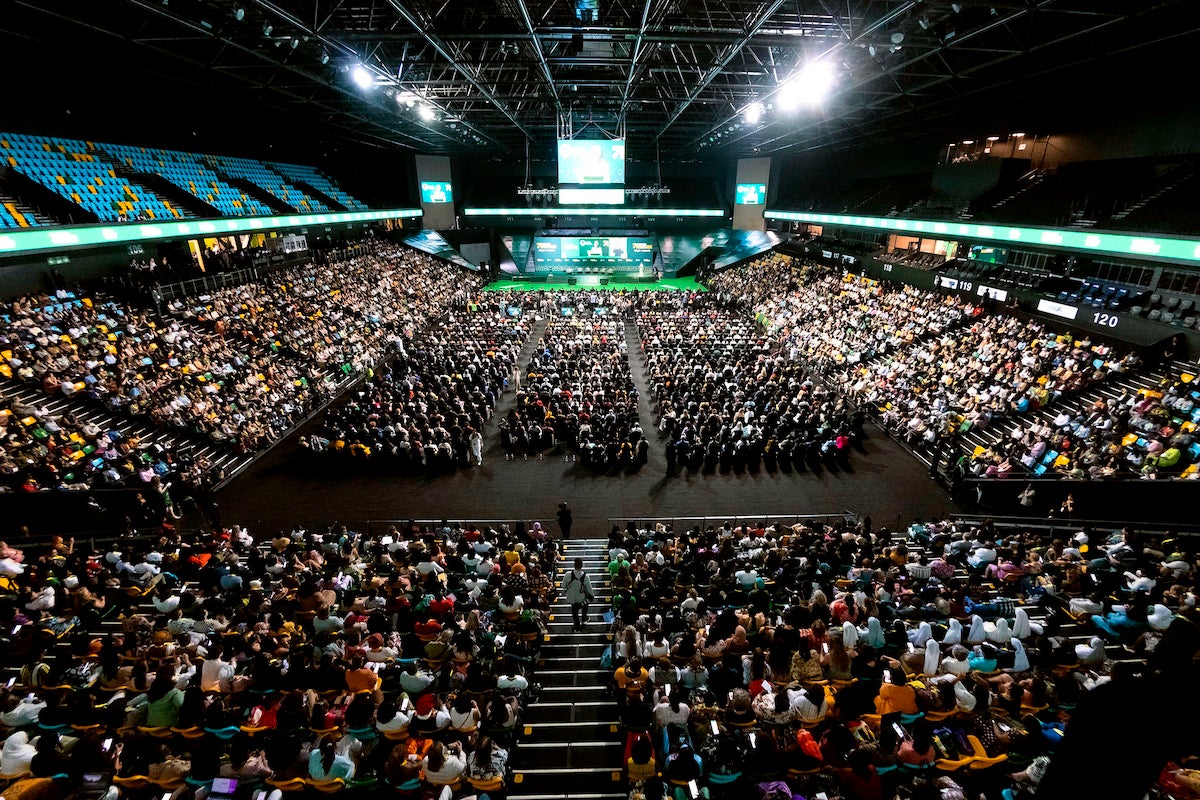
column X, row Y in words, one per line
column 1179, row 528
column 734, row 519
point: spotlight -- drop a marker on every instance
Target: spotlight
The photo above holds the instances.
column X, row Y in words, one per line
column 809, row 87
column 361, row 76
column 427, row 113
column 871, row 50
column 924, row 23
column 324, row 56
column 897, row 37
column 993, row 138
column 753, row 113
column 267, row 28
column 239, row 13
column 956, row 7
column 295, row 42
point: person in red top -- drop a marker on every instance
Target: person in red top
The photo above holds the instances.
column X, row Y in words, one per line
column 441, row 606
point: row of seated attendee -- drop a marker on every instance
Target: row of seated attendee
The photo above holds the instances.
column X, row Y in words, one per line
column 577, row 390
column 314, row 659
column 826, row 318
column 342, row 315
column 728, row 399
column 425, row 410
column 1148, row 433
column 849, row 661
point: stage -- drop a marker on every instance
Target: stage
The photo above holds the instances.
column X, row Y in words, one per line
column 592, row 282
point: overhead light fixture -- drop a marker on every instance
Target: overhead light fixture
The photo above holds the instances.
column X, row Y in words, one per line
column 753, row 113
column 924, row 23
column 239, row 13
column 362, row 77
column 295, row 42
column 968, row 141
column 1017, row 135
column 267, row 28
column 993, row 138
column 810, row 86
column 897, row 37
column 324, row 56
column 427, row 113
column 956, row 7
column 871, row 50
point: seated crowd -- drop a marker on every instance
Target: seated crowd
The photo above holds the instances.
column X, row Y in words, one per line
column 317, row 659
column 848, row 661
column 426, row 409
column 727, row 400
column 827, row 319
column 577, row 389
column 1149, row 433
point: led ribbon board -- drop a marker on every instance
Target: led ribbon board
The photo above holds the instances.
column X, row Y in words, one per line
column 54, row 238
column 1086, row 241
column 571, row 211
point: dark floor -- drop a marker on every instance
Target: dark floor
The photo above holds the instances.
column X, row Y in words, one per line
column 283, row 488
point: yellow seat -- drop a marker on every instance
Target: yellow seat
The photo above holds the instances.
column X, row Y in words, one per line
column 979, row 757
column 490, row 785
column 329, row 786
column 291, row 785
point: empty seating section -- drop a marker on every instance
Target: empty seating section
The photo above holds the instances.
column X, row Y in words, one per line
column 188, row 172
column 319, row 181
column 268, row 180
column 12, row 216
column 74, row 170
column 1101, row 294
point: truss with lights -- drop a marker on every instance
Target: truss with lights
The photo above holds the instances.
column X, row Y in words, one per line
column 547, row 194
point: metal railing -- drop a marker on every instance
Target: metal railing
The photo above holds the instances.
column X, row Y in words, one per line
column 208, row 283
column 736, row 520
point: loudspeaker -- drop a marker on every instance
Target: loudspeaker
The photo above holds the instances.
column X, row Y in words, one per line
column 572, row 281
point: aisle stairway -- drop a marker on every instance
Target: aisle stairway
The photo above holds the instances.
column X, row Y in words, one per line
column 570, row 746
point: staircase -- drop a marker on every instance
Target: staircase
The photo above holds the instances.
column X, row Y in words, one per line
column 21, row 213
column 571, row 744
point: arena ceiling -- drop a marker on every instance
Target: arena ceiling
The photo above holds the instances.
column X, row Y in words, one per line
column 486, row 77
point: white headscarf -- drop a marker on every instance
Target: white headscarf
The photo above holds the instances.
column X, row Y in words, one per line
column 875, row 633
column 921, row 635
column 849, row 634
column 1022, row 629
column 17, row 754
column 963, row 697
column 1160, row 617
column 1020, row 659
column 953, row 633
column 933, row 658
column 977, row 633
column 1000, row 632
column 1092, row 652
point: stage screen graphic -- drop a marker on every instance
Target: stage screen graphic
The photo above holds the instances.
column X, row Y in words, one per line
column 628, row 253
column 591, row 162
column 436, row 192
column 590, row 196
column 751, row 194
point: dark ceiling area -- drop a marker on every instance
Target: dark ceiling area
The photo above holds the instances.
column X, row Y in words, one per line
column 679, row 79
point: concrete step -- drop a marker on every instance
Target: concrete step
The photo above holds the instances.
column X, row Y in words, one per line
column 584, row 730
column 570, row 755
column 558, row 782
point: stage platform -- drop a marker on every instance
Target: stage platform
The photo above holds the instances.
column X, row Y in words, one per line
column 666, row 284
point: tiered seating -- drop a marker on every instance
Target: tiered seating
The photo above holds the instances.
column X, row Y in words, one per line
column 13, row 215
column 74, row 170
column 1101, row 294
column 1173, row 309
column 188, row 172
column 375, row 678
column 944, row 652
column 259, row 175
column 319, row 181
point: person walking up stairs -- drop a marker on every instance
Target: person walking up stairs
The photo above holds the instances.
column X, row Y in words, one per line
column 571, row 746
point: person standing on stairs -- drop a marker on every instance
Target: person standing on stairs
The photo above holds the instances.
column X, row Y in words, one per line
column 565, row 519
column 577, row 590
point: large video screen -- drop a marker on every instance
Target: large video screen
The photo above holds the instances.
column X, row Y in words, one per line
column 436, row 192
column 591, row 162
column 592, row 251
column 751, row 194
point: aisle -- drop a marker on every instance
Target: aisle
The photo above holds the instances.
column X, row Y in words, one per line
column 491, row 440
column 570, row 744
column 637, row 370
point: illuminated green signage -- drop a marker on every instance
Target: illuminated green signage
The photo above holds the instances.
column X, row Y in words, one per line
column 1087, row 241
column 573, row 211
column 33, row 239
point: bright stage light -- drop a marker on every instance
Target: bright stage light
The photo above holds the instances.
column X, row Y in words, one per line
column 753, row 113
column 427, row 113
column 809, row 87
column 362, row 76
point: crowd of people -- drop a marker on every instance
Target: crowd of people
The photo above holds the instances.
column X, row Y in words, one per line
column 425, row 410
column 839, row 659
column 238, row 368
column 323, row 658
column 727, row 398
column 577, row 390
